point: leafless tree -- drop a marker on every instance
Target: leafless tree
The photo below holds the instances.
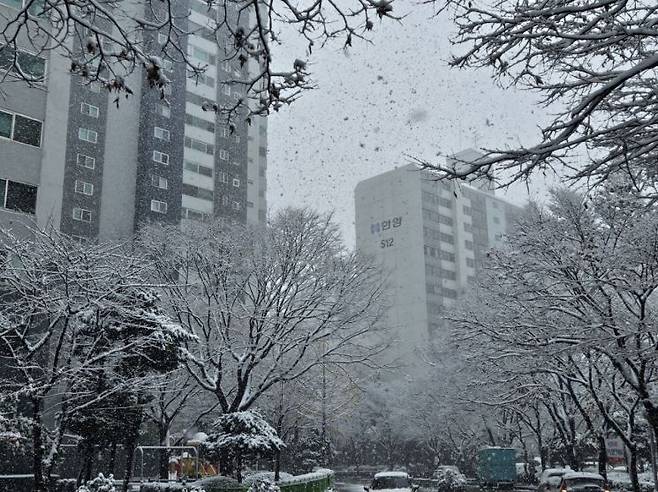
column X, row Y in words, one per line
column 592, row 62
column 268, row 304
column 105, row 41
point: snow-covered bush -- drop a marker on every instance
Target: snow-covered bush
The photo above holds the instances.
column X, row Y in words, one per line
column 169, row 487
column 264, row 486
column 241, row 435
column 266, row 475
column 217, row 484
column 449, row 480
column 99, row 484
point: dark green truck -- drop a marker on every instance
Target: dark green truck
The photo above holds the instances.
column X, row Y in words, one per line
column 497, row 468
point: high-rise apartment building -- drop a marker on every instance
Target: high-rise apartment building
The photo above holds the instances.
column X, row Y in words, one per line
column 431, row 235
column 70, row 158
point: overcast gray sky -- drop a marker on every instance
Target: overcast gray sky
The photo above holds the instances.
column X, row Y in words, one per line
column 380, row 101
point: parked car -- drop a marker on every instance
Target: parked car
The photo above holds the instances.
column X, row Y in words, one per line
column 583, row 482
column 550, row 479
column 398, row 481
column 449, row 479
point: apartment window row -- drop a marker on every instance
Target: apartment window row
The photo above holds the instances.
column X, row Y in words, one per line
column 203, row 8
column 19, row 197
column 438, row 235
column 161, row 157
column 468, row 244
column 197, row 122
column 201, row 31
column 87, row 135
column 20, row 128
column 34, row 67
column 222, row 177
column 89, row 110
column 198, row 192
column 435, row 271
column 163, row 110
column 449, row 293
column 83, row 160
column 189, row 213
column 195, row 167
column 470, row 262
column 202, row 79
column 83, row 187
column 468, row 227
column 193, row 143
column 159, row 182
column 82, row 214
column 158, row 206
column 201, row 54
column 161, row 134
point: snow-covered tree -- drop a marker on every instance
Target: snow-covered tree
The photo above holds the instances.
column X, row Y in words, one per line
column 594, row 62
column 68, row 313
column 267, row 305
column 238, row 436
column 566, row 315
column 107, row 41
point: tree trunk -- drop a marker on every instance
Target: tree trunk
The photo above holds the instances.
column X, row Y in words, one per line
column 131, row 444
column 277, row 466
column 113, row 458
column 88, row 461
column 37, row 444
column 632, row 469
column 163, row 456
column 603, row 457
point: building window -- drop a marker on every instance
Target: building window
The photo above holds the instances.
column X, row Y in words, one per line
column 161, row 133
column 262, row 151
column 85, row 161
column 225, row 200
column 89, row 110
column 159, row 182
column 163, row 110
column 158, row 206
column 468, row 227
column 195, row 167
column 20, row 128
column 223, row 177
column 236, row 182
column 236, row 206
column 19, row 197
column 467, row 210
column 443, row 219
column 161, row 157
column 81, row 214
column 224, row 155
column 206, row 125
column 198, row 192
column 470, row 262
column 468, row 244
column 87, row 135
column 226, row 133
column 250, row 204
column 84, row 188
column 193, row 143
column 34, row 67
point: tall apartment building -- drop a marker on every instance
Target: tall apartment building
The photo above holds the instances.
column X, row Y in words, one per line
column 431, row 236
column 71, row 159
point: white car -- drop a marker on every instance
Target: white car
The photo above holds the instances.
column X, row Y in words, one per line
column 549, row 480
column 583, row 482
column 397, row 481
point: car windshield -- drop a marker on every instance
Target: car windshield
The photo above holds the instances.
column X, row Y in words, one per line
column 381, row 483
column 583, row 482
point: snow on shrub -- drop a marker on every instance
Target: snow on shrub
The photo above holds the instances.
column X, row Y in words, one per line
column 218, row 483
column 266, row 475
column 264, row 486
column 449, row 480
column 169, row 487
column 99, row 484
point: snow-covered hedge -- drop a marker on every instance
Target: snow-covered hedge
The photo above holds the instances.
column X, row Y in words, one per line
column 168, row 487
column 267, row 476
column 321, row 474
column 218, row 484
